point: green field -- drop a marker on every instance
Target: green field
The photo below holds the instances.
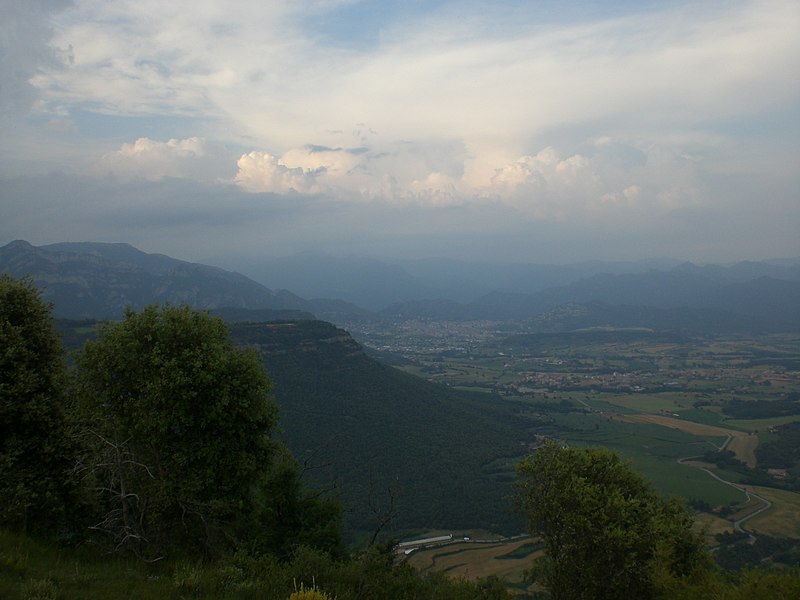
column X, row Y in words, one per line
column 611, row 380
column 652, row 403
column 760, row 424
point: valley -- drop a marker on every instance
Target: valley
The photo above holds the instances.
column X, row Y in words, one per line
column 698, row 415
column 416, row 415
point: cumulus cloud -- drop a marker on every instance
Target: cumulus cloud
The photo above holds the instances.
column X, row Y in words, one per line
column 153, row 160
column 263, row 172
column 415, row 172
column 438, row 189
column 611, row 180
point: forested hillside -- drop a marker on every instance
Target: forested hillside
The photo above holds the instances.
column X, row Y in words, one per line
column 446, row 458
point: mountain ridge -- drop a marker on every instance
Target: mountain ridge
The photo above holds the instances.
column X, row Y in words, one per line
column 100, row 280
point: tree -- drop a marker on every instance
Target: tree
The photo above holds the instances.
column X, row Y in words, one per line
column 36, row 457
column 290, row 515
column 607, row 534
column 176, row 423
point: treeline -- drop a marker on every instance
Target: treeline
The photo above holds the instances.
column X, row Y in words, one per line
column 737, row 551
column 763, row 409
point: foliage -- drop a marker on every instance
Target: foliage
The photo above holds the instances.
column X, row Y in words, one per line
column 607, row 534
column 754, row 584
column 736, row 551
column 289, row 515
column 176, row 423
column 762, row 409
column 392, row 443
column 310, row 593
column 36, row 456
column 85, row 573
column 783, row 452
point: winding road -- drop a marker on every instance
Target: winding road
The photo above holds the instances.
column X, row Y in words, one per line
column 737, row 525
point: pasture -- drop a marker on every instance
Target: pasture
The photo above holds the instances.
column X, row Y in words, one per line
column 506, row 560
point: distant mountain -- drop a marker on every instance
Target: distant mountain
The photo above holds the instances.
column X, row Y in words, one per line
column 375, row 284
column 368, row 283
column 378, row 284
column 96, row 280
column 99, row 280
column 748, row 290
column 739, row 297
column 467, row 281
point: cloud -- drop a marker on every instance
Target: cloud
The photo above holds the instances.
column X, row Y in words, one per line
column 612, row 180
column 25, row 33
column 263, row 172
column 441, row 118
column 502, row 76
column 152, row 160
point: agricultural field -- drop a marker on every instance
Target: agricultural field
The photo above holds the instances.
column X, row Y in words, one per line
column 505, row 559
column 654, row 401
column 783, row 518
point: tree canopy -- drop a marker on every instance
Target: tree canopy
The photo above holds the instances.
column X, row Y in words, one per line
column 607, row 534
column 36, row 456
column 176, row 422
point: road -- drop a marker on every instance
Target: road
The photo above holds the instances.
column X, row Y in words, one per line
column 737, row 525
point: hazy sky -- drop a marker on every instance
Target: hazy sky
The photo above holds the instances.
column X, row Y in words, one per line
column 532, row 131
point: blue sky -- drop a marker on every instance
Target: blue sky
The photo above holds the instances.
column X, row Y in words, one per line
column 515, row 131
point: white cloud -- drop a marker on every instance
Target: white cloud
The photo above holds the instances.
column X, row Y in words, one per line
column 252, row 66
column 152, row 160
column 671, row 107
column 352, row 175
column 613, row 181
column 263, row 172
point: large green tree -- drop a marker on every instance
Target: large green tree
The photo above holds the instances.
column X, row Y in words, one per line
column 36, row 456
column 177, row 425
column 607, row 534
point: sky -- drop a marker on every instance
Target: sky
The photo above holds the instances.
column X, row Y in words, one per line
column 514, row 131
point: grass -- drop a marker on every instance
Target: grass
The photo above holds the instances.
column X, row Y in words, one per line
column 711, row 525
column 782, row 519
column 522, row 551
column 654, row 452
column 651, row 403
column 34, row 570
column 761, row 424
column 705, row 416
column 506, row 560
column 29, row 570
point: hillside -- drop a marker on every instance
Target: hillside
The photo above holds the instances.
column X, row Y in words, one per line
column 445, row 456
column 95, row 280
column 387, row 441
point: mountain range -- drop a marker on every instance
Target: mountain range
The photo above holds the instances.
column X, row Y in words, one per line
column 99, row 280
column 92, row 280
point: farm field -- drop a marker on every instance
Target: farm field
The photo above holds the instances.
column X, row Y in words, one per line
column 653, row 400
column 783, row 518
column 505, row 559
